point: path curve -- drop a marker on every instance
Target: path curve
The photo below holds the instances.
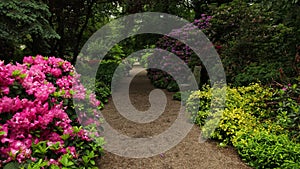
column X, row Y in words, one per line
column 188, row 154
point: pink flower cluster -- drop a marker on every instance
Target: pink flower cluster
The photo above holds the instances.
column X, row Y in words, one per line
column 183, row 51
column 32, row 109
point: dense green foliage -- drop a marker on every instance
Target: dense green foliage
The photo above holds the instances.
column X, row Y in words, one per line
column 257, row 43
column 105, row 76
column 20, row 26
column 268, row 150
column 255, row 121
column 57, row 28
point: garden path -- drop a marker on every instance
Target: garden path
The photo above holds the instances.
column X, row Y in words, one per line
column 188, row 154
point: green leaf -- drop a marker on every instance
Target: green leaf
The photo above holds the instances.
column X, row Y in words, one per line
column 12, row 165
column 16, row 73
column 2, row 133
column 65, row 136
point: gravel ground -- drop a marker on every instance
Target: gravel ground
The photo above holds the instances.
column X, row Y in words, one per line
column 188, row 154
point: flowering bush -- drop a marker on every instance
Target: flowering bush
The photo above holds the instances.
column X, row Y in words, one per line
column 178, row 48
column 38, row 124
column 286, row 102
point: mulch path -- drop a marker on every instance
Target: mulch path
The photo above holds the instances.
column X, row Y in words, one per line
column 188, row 154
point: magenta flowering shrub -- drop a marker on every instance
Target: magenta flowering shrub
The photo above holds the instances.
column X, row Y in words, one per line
column 37, row 118
column 178, row 48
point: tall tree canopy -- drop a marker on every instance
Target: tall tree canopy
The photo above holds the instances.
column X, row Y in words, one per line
column 24, row 22
column 61, row 27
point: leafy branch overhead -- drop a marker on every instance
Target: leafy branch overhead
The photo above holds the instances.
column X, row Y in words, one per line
column 23, row 18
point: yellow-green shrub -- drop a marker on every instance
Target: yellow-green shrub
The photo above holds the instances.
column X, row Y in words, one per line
column 249, row 123
column 245, row 107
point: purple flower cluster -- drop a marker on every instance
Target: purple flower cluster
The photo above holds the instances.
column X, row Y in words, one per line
column 177, row 47
column 32, row 107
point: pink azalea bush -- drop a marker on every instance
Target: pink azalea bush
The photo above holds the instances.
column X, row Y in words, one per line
column 183, row 51
column 37, row 118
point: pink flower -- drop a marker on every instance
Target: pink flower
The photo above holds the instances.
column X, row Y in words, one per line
column 43, row 91
column 68, row 131
column 88, row 122
column 4, row 90
column 93, row 100
column 54, row 62
column 39, row 115
column 65, row 82
column 73, row 151
column 56, row 72
column 79, row 91
column 67, row 67
column 39, row 60
column 28, row 59
column 52, row 161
